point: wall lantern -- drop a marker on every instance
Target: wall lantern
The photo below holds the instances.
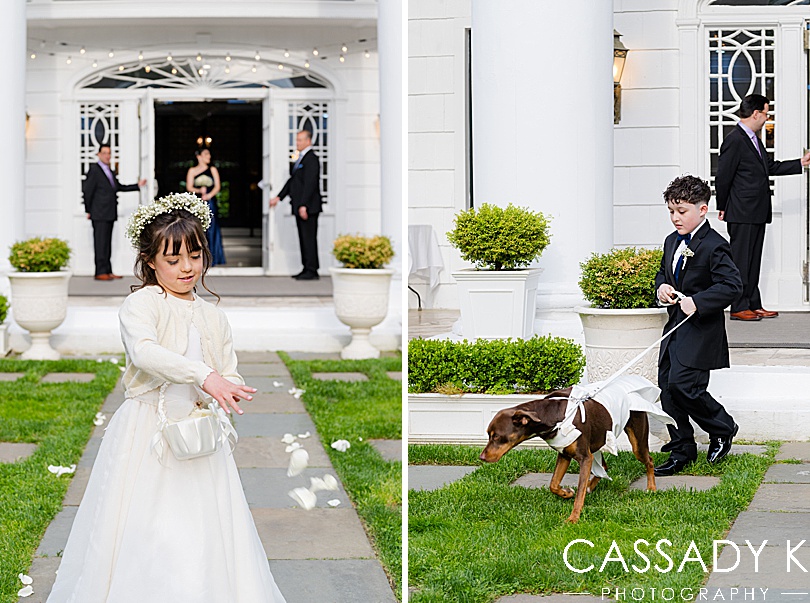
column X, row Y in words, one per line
column 619, row 57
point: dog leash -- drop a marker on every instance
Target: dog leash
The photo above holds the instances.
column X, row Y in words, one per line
column 578, row 402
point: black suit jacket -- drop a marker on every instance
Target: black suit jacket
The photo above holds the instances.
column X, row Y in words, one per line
column 741, row 184
column 100, row 197
column 712, row 280
column 304, row 185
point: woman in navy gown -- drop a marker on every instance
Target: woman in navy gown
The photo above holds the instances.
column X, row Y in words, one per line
column 203, row 179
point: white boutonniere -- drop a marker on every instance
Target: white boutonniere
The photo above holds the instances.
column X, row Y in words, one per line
column 687, row 253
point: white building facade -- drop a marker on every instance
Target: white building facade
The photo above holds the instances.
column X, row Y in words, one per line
column 514, row 105
column 114, row 71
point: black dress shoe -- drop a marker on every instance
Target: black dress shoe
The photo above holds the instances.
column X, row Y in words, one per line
column 671, row 467
column 298, row 275
column 719, row 447
column 307, row 276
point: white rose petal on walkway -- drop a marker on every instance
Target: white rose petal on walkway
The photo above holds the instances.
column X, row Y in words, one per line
column 333, row 503
column 304, row 436
column 277, row 384
column 303, row 497
column 293, row 447
column 58, row 470
column 288, row 438
column 298, row 462
column 327, row 483
column 341, row 445
column 26, row 591
column 100, row 418
column 25, row 579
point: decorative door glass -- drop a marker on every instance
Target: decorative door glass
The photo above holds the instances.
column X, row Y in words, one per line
column 312, row 116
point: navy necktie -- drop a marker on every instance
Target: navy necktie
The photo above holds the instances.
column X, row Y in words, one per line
column 679, row 265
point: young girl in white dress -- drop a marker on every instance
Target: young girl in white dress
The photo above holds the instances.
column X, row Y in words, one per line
column 152, row 528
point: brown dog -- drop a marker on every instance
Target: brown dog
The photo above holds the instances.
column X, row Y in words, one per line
column 512, row 426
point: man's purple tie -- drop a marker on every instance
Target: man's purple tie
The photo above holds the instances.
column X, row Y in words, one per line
column 755, row 140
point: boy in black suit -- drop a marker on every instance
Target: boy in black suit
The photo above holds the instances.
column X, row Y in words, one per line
column 697, row 263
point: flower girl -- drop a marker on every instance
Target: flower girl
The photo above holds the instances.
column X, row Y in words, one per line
column 152, row 527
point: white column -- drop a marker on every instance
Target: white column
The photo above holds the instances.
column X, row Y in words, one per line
column 543, row 131
column 12, row 128
column 391, row 20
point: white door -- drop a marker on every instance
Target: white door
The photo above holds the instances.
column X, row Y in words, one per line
column 147, row 115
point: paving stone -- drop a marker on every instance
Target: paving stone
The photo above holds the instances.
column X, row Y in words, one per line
column 315, row 534
column 269, row 452
column 43, row 573
column 78, row 484
column 67, row 377
column 555, row 598
column 314, row 355
column 272, row 424
column 266, row 385
column 790, row 498
column 257, row 357
column 433, row 477
column 11, row 452
column 270, row 369
column 272, row 403
column 257, row 484
column 390, row 450
column 11, row 376
column 740, row 448
column 395, row 375
column 698, row 483
column 55, row 539
column 332, row 581
column 542, row 480
column 788, row 473
column 794, row 450
column 112, row 403
column 772, row 568
column 90, row 452
column 340, row 376
column 776, row 528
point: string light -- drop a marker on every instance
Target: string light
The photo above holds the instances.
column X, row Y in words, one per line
column 366, row 54
column 228, row 57
column 95, row 63
column 280, row 66
column 33, row 55
column 286, row 54
column 120, row 68
column 201, row 71
column 314, row 52
column 306, row 64
column 253, row 69
column 148, row 69
column 344, row 48
column 174, row 71
column 69, row 61
column 199, row 57
column 258, row 57
column 140, row 55
column 227, row 69
column 111, row 54
column 169, row 57
column 342, row 59
column 82, row 50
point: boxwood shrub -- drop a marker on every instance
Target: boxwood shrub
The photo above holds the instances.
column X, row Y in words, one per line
column 498, row 366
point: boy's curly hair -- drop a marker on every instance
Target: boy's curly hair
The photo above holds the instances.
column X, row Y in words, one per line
column 688, row 189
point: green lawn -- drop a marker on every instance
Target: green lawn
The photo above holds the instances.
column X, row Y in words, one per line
column 480, row 538
column 58, row 418
column 357, row 412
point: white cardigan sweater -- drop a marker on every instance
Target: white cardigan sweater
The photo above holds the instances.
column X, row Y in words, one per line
column 154, row 329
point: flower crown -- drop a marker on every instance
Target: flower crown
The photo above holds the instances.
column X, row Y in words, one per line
column 146, row 213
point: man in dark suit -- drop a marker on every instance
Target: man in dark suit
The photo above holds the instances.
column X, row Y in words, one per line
column 100, row 191
column 304, row 190
column 696, row 263
column 744, row 199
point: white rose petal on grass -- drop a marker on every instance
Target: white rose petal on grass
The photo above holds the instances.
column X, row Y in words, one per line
column 298, row 462
column 26, row 591
column 25, row 579
column 333, row 503
column 341, row 445
column 58, row 470
column 359, row 439
column 304, row 436
column 288, row 438
column 114, row 360
column 303, row 497
column 99, row 359
column 296, row 393
column 122, row 369
column 292, row 447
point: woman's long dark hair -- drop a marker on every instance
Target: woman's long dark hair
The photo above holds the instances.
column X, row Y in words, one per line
column 180, row 227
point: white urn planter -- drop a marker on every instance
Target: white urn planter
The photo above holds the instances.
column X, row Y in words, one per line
column 614, row 337
column 361, row 302
column 496, row 304
column 40, row 305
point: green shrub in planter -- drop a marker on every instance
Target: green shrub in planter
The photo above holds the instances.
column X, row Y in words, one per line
column 39, row 255
column 621, row 279
column 500, row 239
column 3, row 308
column 496, row 366
column 355, row 251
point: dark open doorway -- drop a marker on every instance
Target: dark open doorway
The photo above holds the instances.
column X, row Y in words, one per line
column 232, row 130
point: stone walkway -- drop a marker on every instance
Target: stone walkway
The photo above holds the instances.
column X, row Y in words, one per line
column 778, row 516
column 322, row 555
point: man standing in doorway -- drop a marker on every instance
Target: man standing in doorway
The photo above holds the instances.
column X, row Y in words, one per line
column 744, row 199
column 100, row 190
column 304, row 190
